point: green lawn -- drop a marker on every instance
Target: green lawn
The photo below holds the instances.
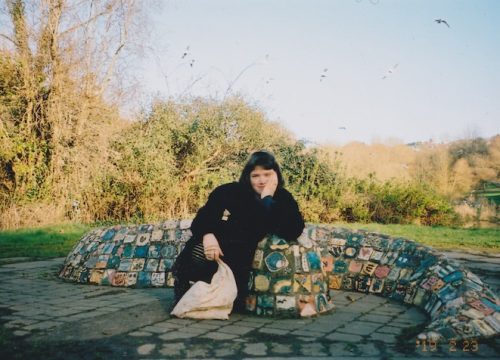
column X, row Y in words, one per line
column 44, row 242
column 57, row 241
column 444, row 238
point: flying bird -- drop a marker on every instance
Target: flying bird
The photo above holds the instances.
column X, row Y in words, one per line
column 186, row 53
column 390, row 71
column 323, row 75
column 439, row 21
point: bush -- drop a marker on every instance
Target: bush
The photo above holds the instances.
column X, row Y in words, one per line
column 165, row 165
column 404, row 203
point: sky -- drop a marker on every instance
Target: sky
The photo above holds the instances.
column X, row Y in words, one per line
column 337, row 71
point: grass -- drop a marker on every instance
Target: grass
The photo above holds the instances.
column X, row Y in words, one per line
column 43, row 242
column 481, row 240
column 58, row 240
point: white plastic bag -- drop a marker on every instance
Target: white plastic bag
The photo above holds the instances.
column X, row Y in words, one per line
column 209, row 301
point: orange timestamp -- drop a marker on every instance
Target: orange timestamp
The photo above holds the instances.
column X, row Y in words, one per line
column 453, row 345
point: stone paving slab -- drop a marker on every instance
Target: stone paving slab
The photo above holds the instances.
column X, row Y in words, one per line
column 47, row 318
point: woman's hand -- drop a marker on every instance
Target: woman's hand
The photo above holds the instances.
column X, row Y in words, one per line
column 211, row 247
column 271, row 186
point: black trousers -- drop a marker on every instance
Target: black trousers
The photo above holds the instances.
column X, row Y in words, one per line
column 191, row 266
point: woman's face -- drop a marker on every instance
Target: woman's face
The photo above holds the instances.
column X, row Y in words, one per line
column 259, row 177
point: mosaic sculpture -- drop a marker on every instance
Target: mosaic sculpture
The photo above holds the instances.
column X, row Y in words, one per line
column 293, row 279
column 288, row 280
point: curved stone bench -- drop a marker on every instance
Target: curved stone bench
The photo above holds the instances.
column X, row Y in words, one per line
column 288, row 280
column 294, row 279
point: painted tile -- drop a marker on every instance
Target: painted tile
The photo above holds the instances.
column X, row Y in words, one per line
column 314, row 261
column 327, row 263
column 151, row 265
column 376, row 286
column 302, row 283
column 143, row 279
column 265, row 305
column 285, row 303
column 278, row 243
column 335, row 282
column 142, row 239
column 282, row 286
column 307, row 305
column 125, row 265
column 102, row 261
column 170, row 279
column 322, row 303
column 158, row 279
column 355, row 267
column 169, row 251
column 96, row 276
column 262, row 282
column 318, row 283
column 131, row 279
column 258, row 259
column 340, row 267
column 129, row 239
column 141, row 251
column 251, row 303
column 137, row 264
column 276, row 261
column 157, row 235
column 108, row 276
column 362, row 283
column 365, row 253
column 369, row 268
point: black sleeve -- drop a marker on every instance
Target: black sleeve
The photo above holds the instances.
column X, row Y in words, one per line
column 284, row 217
column 207, row 217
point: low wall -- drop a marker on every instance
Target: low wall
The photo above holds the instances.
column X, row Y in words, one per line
column 294, row 279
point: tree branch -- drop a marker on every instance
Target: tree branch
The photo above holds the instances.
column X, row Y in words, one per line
column 85, row 23
column 199, row 169
column 8, row 38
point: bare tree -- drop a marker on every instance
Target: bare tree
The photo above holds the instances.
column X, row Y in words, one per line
column 63, row 75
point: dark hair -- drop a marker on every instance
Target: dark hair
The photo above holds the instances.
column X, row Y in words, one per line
column 264, row 159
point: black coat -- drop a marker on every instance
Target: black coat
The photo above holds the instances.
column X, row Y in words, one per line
column 239, row 219
column 237, row 216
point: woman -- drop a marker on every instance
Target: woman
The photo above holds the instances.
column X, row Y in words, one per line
column 235, row 218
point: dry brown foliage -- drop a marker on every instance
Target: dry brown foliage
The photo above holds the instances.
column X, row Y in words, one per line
column 453, row 169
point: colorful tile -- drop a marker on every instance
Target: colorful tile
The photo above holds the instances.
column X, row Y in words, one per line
column 276, row 261
column 365, row 253
column 158, row 279
column 335, row 282
column 131, row 279
column 265, row 305
column 327, row 263
column 355, row 267
column 251, row 303
column 96, row 276
column 318, row 283
column 314, row 261
column 141, row 251
column 137, row 264
column 307, row 305
column 322, row 303
column 262, row 282
column 152, row 265
column 258, row 259
column 302, row 283
column 282, row 286
column 286, row 303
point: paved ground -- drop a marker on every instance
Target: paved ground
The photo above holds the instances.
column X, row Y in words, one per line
column 42, row 317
